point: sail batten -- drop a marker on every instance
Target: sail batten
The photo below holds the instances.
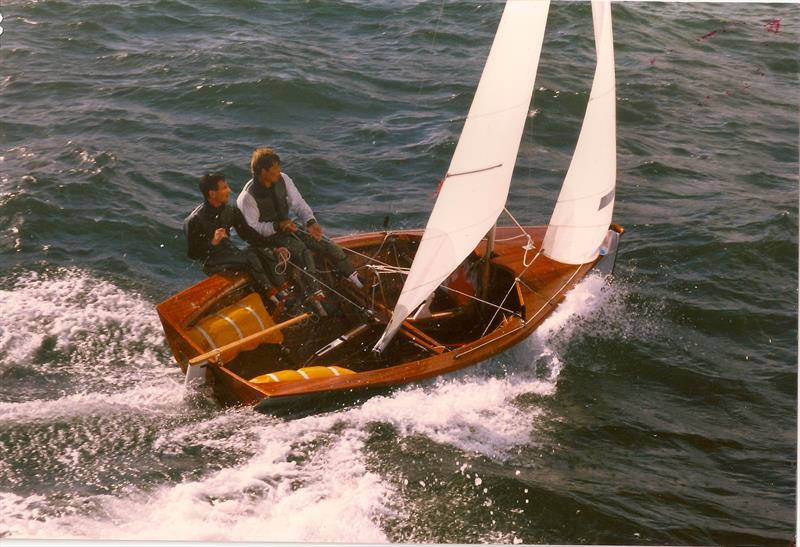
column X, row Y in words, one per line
column 472, row 197
column 451, row 175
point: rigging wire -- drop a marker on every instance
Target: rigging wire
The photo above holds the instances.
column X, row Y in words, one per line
column 384, row 268
column 404, row 271
column 353, row 251
column 503, row 301
column 334, row 291
column 529, row 246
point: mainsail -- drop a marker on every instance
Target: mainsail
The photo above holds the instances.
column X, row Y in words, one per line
column 474, row 191
column 583, row 211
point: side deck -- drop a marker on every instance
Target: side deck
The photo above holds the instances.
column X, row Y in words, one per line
column 527, row 287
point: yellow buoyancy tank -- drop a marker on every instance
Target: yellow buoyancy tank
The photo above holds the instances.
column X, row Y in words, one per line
column 245, row 317
column 305, row 373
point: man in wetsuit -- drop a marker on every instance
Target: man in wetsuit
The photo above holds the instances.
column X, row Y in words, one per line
column 269, row 201
column 208, row 229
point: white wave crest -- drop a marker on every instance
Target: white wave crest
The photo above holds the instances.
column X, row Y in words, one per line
column 71, row 308
column 311, row 479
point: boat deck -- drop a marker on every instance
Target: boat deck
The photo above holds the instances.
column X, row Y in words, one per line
column 458, row 332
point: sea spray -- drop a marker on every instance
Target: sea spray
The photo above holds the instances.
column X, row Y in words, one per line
column 309, row 479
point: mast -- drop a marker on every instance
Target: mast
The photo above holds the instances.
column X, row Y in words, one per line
column 474, row 191
column 487, row 259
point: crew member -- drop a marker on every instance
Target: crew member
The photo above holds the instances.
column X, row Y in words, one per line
column 269, row 201
column 208, row 229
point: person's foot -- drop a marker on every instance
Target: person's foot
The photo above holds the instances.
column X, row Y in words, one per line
column 289, row 305
column 316, row 300
column 267, row 298
column 356, row 280
column 273, row 301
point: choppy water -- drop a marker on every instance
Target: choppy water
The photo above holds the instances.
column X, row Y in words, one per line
column 661, row 409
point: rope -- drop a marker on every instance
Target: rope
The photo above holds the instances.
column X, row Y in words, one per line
column 280, row 267
column 369, row 258
column 512, row 237
column 505, row 209
column 529, row 246
column 404, row 271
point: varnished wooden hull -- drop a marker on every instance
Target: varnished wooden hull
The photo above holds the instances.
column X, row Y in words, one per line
column 541, row 287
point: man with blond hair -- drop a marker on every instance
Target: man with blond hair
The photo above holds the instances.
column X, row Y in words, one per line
column 271, row 205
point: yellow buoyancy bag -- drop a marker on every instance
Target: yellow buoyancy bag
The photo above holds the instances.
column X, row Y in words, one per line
column 245, row 317
column 305, row 373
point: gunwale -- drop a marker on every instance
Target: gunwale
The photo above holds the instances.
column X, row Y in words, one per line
column 541, row 288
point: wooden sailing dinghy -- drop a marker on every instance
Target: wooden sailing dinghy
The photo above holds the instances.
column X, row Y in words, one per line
column 441, row 299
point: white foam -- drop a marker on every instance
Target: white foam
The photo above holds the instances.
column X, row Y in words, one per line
column 76, row 311
column 165, row 396
column 310, row 479
column 18, row 514
column 587, row 299
column 103, row 344
column 588, row 296
column 303, row 483
column 472, row 414
column 478, row 414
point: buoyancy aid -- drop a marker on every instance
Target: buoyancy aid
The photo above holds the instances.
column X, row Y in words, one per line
column 273, row 202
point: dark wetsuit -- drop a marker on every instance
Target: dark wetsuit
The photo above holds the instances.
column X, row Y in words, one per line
column 200, row 226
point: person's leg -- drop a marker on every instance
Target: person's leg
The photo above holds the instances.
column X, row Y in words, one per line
column 243, row 261
column 300, row 254
column 301, row 257
column 331, row 251
column 269, row 261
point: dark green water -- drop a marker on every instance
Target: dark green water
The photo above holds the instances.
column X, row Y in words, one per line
column 660, row 409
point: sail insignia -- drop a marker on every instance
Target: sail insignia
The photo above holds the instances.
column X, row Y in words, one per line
column 606, row 199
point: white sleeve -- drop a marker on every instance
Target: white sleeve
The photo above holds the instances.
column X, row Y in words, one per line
column 249, row 208
column 297, row 204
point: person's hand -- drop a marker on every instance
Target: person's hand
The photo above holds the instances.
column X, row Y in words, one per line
column 282, row 253
column 219, row 235
column 315, row 231
column 288, row 226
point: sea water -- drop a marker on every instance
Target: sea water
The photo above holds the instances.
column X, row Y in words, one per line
column 658, row 409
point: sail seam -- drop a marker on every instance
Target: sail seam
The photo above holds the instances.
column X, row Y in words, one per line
column 471, row 116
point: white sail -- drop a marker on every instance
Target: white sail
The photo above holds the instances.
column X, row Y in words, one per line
column 583, row 212
column 475, row 188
